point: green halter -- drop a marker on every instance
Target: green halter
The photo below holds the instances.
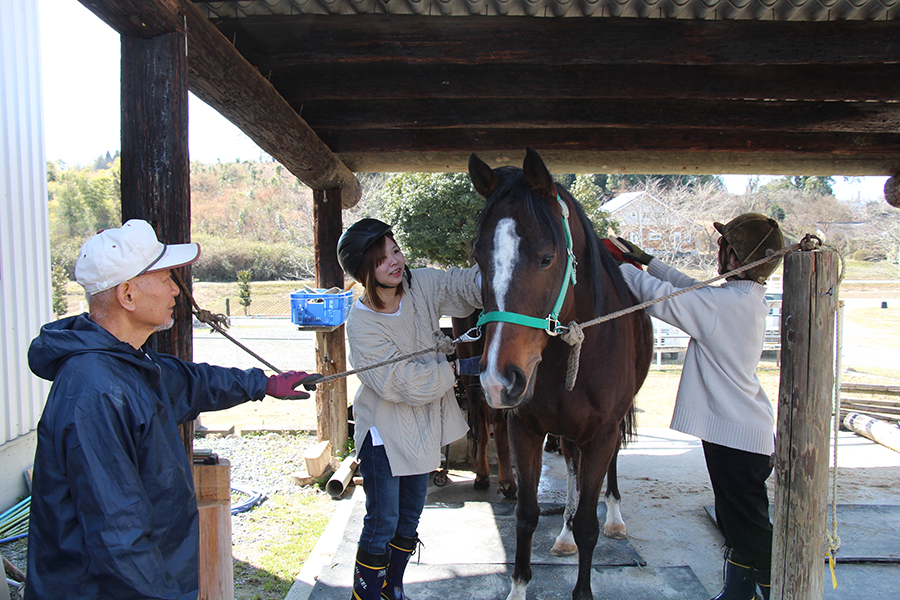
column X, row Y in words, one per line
column 551, row 322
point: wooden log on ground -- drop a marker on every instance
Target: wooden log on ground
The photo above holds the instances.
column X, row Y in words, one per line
column 317, row 458
column 874, row 429
column 804, row 410
column 884, row 390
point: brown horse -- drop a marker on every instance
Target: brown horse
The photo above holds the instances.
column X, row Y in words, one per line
column 531, row 288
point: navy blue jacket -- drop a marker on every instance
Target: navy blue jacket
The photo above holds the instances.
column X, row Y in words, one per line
column 113, row 509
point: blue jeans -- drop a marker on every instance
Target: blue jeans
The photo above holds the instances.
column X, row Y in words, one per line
column 393, row 504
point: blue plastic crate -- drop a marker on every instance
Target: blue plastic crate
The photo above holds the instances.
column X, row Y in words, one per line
column 316, row 308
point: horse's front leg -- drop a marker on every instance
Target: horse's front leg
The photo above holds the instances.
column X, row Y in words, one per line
column 595, row 459
column 526, row 452
column 565, row 541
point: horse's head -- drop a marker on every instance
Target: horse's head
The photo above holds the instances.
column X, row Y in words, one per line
column 521, row 249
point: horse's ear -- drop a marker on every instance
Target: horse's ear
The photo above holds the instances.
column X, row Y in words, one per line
column 484, row 180
column 536, row 174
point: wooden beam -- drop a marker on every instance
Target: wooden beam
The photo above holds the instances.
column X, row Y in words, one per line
column 623, row 150
column 804, row 410
column 331, row 353
column 155, row 167
column 603, row 113
column 305, row 82
column 273, row 42
column 222, row 78
column 662, row 162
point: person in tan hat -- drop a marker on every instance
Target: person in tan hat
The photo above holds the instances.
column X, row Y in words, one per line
column 720, row 399
column 113, row 509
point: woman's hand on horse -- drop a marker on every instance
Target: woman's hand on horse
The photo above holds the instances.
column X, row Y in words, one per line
column 617, row 250
column 635, row 253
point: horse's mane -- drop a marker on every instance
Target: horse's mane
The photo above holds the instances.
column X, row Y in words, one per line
column 598, row 258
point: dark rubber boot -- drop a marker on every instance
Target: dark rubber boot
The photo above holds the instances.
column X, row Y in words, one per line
column 739, row 582
column 763, row 583
column 402, row 548
column 368, row 575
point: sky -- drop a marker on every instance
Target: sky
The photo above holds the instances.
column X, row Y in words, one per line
column 80, row 57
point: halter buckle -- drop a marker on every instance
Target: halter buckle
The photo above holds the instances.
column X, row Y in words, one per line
column 469, row 336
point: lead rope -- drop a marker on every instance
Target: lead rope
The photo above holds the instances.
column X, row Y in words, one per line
column 575, row 336
column 832, row 539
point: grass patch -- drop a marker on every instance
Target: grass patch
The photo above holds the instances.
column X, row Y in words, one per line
column 283, row 532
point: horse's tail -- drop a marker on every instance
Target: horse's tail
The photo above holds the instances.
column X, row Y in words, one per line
column 628, row 427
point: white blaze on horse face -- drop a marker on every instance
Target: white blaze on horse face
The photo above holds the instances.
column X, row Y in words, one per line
column 506, row 252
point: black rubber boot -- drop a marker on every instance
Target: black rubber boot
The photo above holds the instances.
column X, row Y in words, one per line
column 368, row 575
column 763, row 583
column 402, row 548
column 739, row 582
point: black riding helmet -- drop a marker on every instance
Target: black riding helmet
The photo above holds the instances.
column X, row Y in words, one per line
column 358, row 238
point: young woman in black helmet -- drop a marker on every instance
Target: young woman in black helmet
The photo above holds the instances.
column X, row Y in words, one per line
column 404, row 412
column 720, row 399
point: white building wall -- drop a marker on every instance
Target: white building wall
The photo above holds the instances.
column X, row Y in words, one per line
column 24, row 241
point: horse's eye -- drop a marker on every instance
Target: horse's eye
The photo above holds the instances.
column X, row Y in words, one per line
column 547, row 261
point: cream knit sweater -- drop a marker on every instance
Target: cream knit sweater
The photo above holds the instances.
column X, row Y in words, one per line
column 719, row 399
column 411, row 402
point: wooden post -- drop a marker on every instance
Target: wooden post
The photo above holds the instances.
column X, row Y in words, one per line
column 155, row 164
column 331, row 353
column 213, row 485
column 804, row 412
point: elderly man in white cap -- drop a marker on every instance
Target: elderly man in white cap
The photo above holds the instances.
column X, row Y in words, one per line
column 113, row 510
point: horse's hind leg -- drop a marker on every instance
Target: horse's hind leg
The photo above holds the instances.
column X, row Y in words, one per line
column 565, row 541
column 507, row 479
column 482, row 434
column 614, row 526
column 526, row 450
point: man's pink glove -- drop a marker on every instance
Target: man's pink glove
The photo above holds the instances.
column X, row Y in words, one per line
column 283, row 385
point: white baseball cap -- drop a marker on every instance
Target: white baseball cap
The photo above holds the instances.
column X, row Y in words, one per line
column 113, row 256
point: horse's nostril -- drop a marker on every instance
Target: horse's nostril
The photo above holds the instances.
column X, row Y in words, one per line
column 517, row 382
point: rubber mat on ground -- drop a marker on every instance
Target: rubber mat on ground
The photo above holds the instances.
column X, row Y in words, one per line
column 868, row 532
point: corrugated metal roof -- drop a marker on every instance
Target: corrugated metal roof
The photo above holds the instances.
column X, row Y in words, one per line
column 758, row 10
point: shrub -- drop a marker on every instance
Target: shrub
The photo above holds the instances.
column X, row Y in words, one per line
column 221, row 258
column 864, row 254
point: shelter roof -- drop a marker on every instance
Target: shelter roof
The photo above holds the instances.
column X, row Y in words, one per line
column 332, row 87
column 767, row 10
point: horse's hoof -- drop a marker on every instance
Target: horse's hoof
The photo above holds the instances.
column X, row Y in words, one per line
column 509, row 491
column 482, row 484
column 614, row 532
column 559, row 549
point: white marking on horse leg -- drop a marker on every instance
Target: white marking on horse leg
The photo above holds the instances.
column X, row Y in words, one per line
column 614, row 527
column 506, row 252
column 565, row 541
column 518, row 590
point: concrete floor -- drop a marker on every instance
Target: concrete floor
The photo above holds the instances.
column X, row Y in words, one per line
column 665, row 494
